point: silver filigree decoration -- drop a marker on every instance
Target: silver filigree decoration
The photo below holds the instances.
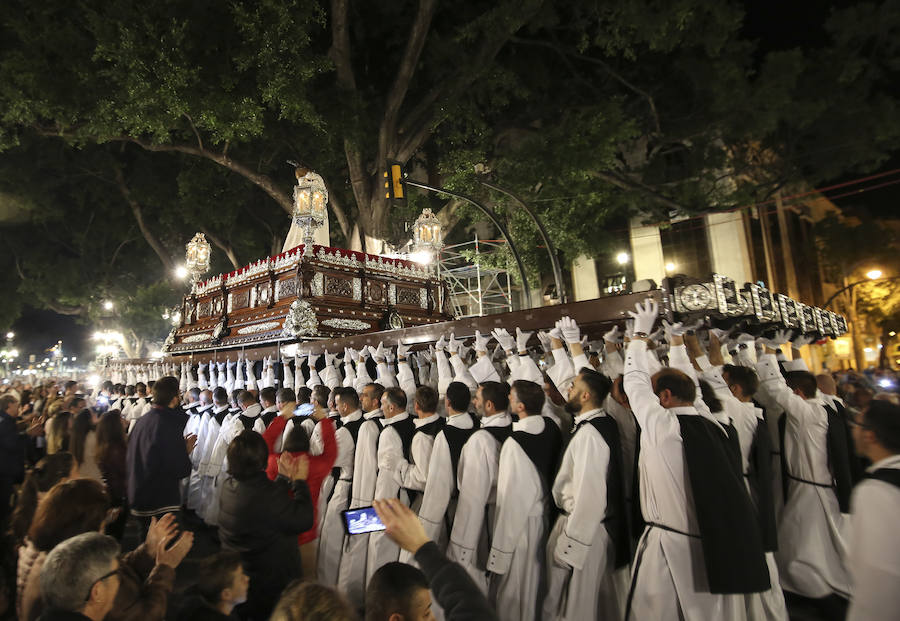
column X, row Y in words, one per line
column 317, row 286
column 392, row 294
column 170, row 340
column 347, row 324
column 423, row 297
column 300, row 320
column 259, row 327
column 196, row 338
column 357, row 289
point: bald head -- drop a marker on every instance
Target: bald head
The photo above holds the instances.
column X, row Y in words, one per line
column 206, row 397
column 825, row 382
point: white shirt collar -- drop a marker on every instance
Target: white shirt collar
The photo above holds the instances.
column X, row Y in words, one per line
column 376, row 413
column 252, row 411
column 530, row 424
column 888, row 462
column 271, row 408
column 221, row 409
column 500, row 419
column 351, row 417
column 396, row 419
column 588, row 416
column 204, row 408
column 420, row 422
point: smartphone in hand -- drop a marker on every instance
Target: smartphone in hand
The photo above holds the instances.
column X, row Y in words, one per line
column 362, row 520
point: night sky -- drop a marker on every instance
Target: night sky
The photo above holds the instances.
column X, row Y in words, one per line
column 776, row 25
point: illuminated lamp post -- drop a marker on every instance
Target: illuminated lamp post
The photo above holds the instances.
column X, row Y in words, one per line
column 310, row 205
column 428, row 238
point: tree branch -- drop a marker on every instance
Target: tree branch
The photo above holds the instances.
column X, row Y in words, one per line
column 154, row 243
column 62, row 309
column 339, row 213
column 340, row 44
column 421, row 121
column 225, row 247
column 197, row 134
column 636, row 186
column 603, row 65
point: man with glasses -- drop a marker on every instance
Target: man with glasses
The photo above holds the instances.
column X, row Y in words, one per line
column 80, row 578
column 874, row 552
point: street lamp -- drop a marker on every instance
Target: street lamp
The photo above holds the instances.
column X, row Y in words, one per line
column 310, row 205
column 622, row 258
column 181, row 272
column 670, row 267
column 873, row 274
column 10, row 336
column 108, row 305
column 196, row 257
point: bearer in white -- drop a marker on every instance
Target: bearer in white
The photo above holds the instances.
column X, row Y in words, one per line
column 589, row 549
column 527, row 463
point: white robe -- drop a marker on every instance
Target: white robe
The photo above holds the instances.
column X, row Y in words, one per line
column 390, row 448
column 331, row 535
column 518, row 544
column 438, row 506
column 668, row 575
column 207, row 481
column 217, row 469
column 352, row 573
column 194, row 483
column 582, row 580
column 473, row 523
column 874, row 560
column 812, row 531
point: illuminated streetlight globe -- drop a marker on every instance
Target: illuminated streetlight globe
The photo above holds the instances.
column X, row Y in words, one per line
column 873, row 274
column 622, row 258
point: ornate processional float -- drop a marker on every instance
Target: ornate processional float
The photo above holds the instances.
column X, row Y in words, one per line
column 310, row 291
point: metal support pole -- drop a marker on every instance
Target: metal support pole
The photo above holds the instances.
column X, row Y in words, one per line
column 526, row 291
column 551, row 249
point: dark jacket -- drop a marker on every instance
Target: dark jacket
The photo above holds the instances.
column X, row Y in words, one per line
column 12, row 460
column 144, row 587
column 157, row 461
column 452, row 586
column 260, row 519
column 197, row 609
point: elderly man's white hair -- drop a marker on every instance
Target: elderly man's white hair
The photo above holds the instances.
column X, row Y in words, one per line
column 72, row 568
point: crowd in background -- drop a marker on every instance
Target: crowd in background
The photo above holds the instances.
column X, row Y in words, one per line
column 681, row 473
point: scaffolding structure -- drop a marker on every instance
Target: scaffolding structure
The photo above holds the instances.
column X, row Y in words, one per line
column 475, row 290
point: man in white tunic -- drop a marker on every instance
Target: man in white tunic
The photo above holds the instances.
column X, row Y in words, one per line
column 393, row 444
column 352, row 575
column 527, row 463
column 412, row 472
column 812, row 532
column 207, row 478
column 589, row 548
column 670, row 577
column 331, row 537
column 438, row 503
column 473, row 524
column 874, row 560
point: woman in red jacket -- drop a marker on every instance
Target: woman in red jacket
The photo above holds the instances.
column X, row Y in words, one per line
column 296, row 443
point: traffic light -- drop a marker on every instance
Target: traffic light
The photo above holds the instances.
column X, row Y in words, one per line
column 394, row 186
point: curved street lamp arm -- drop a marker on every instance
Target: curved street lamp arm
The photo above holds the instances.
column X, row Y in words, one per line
column 551, row 249
column 526, row 291
column 853, row 284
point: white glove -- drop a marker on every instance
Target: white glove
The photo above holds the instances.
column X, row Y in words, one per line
column 522, row 339
column 613, row 336
column 802, row 340
column 402, row 350
column 569, row 329
column 313, row 359
column 441, row 344
column 378, row 353
column 721, row 335
column 453, row 344
column 427, row 355
column 544, row 338
column 645, row 316
column 481, row 342
column 673, row 329
column 363, row 353
column 507, row 342
column 629, row 329
column 745, row 340
column 556, row 333
column 780, row 338
column 329, row 358
column 348, row 355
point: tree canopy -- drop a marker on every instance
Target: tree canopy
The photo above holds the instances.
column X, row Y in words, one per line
column 157, row 119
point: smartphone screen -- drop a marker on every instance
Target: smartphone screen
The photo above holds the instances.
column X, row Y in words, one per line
column 362, row 520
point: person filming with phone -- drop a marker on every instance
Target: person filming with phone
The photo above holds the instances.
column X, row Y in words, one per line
column 261, row 519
